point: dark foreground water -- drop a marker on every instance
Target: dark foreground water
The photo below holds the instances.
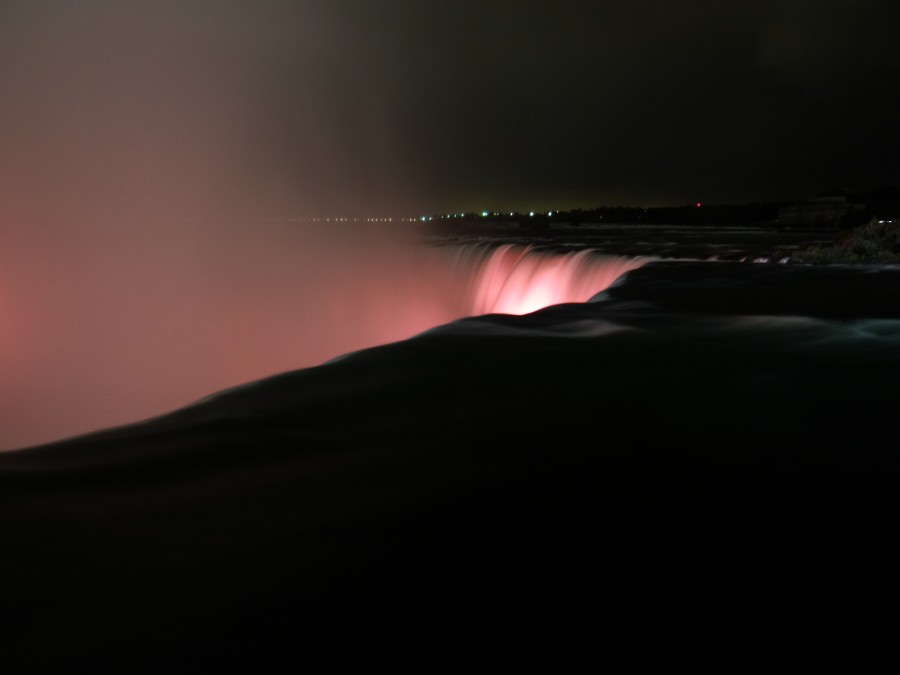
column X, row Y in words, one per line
column 700, row 466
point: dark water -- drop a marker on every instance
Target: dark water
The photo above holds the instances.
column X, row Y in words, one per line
column 699, row 463
column 729, row 243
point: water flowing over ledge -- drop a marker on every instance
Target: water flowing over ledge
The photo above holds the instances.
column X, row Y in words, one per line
column 702, row 429
column 520, row 279
column 302, row 298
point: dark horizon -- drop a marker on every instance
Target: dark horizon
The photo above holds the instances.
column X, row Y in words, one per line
column 883, row 198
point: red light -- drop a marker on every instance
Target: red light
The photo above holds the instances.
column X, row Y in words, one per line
column 699, row 205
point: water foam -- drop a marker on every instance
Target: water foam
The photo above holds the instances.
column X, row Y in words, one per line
column 520, row 279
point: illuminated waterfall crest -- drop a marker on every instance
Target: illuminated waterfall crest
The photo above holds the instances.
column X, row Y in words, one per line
column 519, row 279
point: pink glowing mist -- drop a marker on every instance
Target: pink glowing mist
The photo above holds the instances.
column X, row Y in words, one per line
column 126, row 330
column 152, row 162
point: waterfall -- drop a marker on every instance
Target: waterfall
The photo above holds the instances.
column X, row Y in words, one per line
column 104, row 319
column 519, row 279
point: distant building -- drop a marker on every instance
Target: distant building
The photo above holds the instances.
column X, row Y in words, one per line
column 825, row 211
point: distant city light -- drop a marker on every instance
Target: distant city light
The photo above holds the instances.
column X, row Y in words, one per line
column 531, row 213
column 550, row 213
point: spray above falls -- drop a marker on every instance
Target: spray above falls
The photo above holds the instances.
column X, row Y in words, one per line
column 148, row 328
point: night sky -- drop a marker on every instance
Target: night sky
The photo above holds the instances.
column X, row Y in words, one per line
column 319, row 106
column 155, row 156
